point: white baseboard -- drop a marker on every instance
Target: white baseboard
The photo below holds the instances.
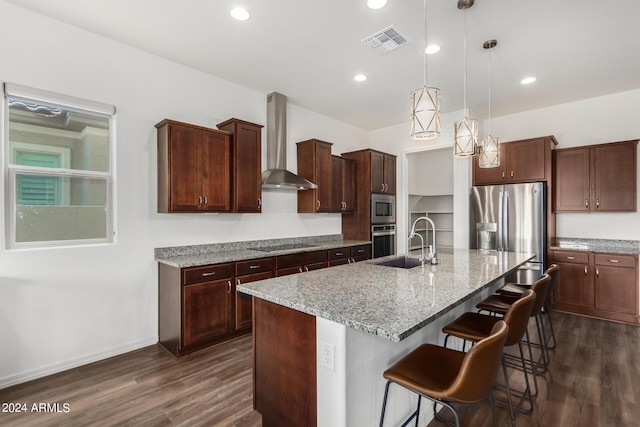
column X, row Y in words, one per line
column 33, row 374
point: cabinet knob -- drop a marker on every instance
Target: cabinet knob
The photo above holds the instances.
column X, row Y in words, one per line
column 597, row 203
column 586, row 203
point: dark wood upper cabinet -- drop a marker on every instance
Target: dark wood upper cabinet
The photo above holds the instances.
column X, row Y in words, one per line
column 314, row 164
column 194, row 168
column 383, row 172
column 247, row 165
column 520, row 161
column 343, row 183
column 597, row 178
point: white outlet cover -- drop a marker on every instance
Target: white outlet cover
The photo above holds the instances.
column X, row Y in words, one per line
column 327, row 355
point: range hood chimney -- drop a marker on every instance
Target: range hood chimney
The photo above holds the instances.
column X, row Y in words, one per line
column 277, row 175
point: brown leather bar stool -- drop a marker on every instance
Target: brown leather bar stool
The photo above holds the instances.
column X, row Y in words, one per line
column 446, row 376
column 475, row 327
column 516, row 289
column 499, row 304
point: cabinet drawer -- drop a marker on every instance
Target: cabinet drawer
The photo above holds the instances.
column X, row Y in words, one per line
column 362, row 251
column 572, row 257
column 254, row 266
column 206, row 273
column 338, row 253
column 615, row 260
column 300, row 259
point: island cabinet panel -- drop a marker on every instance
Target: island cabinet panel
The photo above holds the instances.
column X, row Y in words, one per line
column 247, row 165
column 596, row 178
column 285, row 377
column 602, row 285
column 300, row 262
column 314, row 164
column 246, row 272
column 520, row 161
column 194, row 168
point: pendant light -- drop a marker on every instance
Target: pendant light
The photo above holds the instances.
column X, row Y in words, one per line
column 425, row 103
column 465, row 130
column 489, row 156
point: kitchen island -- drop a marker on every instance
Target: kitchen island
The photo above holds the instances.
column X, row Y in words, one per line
column 322, row 339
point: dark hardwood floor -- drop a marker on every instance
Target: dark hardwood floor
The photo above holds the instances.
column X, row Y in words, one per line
column 594, row 380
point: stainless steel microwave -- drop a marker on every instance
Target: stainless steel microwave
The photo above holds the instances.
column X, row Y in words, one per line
column 383, row 209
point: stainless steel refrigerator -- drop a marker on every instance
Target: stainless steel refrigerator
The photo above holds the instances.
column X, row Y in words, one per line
column 512, row 217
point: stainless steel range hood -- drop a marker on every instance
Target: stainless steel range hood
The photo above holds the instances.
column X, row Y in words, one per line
column 277, row 175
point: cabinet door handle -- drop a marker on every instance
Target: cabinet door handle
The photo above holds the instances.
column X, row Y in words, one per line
column 299, row 269
column 259, row 203
column 199, row 200
column 348, row 260
column 206, row 201
column 503, row 173
column 208, row 274
column 586, row 203
column 585, row 270
column 511, row 174
column 255, row 266
column 306, row 268
column 318, row 205
column 229, row 283
column 570, row 257
column 597, row 203
column 613, row 260
column 597, row 272
column 238, row 282
column 382, row 188
column 353, row 259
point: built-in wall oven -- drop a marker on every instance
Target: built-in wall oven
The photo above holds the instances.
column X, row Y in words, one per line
column 383, row 240
column 383, row 209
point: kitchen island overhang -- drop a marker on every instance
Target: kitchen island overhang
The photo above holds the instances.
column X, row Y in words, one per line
column 364, row 317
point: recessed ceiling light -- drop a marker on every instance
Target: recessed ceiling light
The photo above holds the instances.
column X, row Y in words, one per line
column 527, row 80
column 431, row 49
column 359, row 77
column 240, row 13
column 376, row 4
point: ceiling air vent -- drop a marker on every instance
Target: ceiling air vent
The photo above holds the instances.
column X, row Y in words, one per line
column 386, row 40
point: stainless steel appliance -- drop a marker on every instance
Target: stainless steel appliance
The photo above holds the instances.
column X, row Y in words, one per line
column 511, row 217
column 383, row 209
column 383, row 240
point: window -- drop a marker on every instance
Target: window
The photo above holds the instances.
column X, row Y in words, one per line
column 59, row 155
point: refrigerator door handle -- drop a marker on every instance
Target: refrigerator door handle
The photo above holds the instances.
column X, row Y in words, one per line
column 505, row 222
column 500, row 239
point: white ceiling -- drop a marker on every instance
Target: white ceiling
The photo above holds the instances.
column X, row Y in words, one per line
column 310, row 50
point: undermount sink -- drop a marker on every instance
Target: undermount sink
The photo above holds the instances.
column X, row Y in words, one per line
column 401, row 262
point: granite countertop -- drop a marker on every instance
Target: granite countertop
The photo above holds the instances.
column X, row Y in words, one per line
column 630, row 247
column 386, row 301
column 191, row 256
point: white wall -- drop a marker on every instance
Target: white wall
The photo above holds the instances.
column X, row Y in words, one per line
column 65, row 307
column 593, row 121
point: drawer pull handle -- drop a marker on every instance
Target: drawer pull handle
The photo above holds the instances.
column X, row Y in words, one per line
column 254, row 266
column 570, row 257
column 208, row 274
column 613, row 260
column 360, row 251
column 339, row 253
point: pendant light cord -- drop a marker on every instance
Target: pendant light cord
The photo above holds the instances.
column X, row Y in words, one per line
column 465, row 63
column 489, row 91
column 424, row 53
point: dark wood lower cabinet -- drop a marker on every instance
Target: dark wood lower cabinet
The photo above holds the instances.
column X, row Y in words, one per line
column 598, row 284
column 207, row 311
column 200, row 306
column 285, row 378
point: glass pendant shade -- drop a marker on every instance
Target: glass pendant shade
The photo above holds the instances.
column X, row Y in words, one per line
column 465, row 137
column 425, row 113
column 489, row 156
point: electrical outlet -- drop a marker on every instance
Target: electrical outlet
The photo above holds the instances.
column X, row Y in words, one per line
column 327, row 355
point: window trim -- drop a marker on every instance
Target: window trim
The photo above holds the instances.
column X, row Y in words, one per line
column 10, row 170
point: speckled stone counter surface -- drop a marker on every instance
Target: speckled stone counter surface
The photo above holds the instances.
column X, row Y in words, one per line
column 191, row 256
column 386, row 301
column 631, row 247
